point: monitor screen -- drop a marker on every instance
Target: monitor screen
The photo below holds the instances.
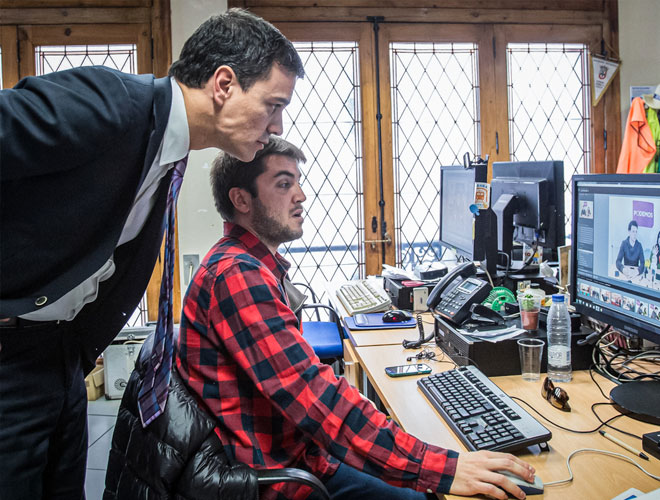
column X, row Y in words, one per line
column 456, row 196
column 615, row 261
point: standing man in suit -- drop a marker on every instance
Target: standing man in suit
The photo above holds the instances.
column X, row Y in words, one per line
column 86, row 159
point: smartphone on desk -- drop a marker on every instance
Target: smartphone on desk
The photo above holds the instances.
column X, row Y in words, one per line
column 405, row 370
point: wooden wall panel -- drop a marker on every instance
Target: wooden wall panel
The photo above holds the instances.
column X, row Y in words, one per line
column 9, row 56
column 29, row 4
column 577, row 5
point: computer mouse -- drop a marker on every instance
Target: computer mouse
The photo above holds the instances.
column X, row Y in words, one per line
column 396, row 316
column 535, row 488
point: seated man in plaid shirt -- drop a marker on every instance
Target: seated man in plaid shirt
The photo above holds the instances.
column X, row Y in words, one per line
column 243, row 357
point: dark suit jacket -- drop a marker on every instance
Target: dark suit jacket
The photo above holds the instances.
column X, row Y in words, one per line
column 75, row 147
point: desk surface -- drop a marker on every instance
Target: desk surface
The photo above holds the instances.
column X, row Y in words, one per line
column 596, row 475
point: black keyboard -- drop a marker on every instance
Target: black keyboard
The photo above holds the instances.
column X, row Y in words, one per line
column 480, row 413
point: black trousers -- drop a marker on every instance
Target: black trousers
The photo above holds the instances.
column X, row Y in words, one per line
column 43, row 414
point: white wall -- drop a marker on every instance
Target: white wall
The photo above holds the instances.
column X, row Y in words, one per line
column 639, row 47
column 200, row 225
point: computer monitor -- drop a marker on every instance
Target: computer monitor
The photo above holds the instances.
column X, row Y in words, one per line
column 615, row 273
column 528, row 200
column 471, row 236
column 615, row 270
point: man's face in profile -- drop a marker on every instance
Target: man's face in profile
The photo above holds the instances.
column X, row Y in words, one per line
column 277, row 210
column 249, row 117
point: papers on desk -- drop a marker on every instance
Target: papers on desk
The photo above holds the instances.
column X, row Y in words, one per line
column 493, row 334
column 631, row 493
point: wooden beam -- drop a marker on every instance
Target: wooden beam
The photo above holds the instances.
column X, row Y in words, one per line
column 10, row 73
column 578, row 5
column 75, row 16
column 29, row 4
column 161, row 33
column 430, row 15
column 612, row 97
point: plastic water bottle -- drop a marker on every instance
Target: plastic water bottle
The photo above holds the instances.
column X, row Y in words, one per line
column 559, row 341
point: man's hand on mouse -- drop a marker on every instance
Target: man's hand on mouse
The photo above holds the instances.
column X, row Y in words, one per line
column 476, row 474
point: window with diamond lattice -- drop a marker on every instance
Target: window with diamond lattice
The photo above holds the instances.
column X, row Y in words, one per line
column 323, row 119
column 435, row 121
column 58, row 58
column 120, row 57
column 549, row 107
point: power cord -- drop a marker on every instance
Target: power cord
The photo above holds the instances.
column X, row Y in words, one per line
column 602, row 422
column 416, row 344
column 603, row 452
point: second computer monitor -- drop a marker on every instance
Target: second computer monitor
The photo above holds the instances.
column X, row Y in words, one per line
column 528, row 200
column 460, row 230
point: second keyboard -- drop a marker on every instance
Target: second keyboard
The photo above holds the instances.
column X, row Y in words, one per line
column 363, row 296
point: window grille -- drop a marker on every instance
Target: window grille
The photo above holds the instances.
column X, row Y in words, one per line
column 324, row 120
column 435, row 121
column 57, row 58
column 549, row 107
column 120, row 57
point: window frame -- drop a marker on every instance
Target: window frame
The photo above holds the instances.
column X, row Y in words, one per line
column 25, row 24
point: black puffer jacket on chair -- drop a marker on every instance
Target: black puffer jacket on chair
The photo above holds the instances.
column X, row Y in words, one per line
column 178, row 456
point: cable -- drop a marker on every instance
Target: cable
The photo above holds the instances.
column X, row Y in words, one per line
column 416, row 344
column 487, row 274
column 593, row 450
column 508, row 262
column 573, row 430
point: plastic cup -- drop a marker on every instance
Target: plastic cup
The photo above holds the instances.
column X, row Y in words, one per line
column 530, row 306
column 530, row 351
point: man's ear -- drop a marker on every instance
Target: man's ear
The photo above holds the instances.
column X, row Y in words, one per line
column 241, row 199
column 224, row 82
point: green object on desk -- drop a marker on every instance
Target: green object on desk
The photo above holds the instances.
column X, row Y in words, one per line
column 498, row 296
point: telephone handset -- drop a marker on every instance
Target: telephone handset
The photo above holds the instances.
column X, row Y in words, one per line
column 456, row 292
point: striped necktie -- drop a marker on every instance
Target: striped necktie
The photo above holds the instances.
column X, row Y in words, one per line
column 153, row 392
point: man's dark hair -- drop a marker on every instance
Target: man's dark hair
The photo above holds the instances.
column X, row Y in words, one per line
column 228, row 172
column 632, row 223
column 248, row 44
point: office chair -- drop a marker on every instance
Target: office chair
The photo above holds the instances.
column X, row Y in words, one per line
column 325, row 337
column 179, row 454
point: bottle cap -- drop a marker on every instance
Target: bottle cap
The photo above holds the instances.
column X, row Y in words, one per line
column 558, row 297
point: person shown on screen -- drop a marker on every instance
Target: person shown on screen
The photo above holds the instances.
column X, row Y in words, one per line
column 242, row 355
column 630, row 260
column 655, row 253
column 87, row 158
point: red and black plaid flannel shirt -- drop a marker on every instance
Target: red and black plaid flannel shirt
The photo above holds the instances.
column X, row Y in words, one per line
column 241, row 353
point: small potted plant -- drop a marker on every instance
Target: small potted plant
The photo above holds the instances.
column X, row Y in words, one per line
column 530, row 305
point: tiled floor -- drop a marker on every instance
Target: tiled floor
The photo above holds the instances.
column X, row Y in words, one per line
column 101, row 415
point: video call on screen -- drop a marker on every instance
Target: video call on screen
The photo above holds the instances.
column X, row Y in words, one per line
column 618, row 249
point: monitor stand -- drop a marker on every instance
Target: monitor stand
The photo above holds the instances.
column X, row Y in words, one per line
column 639, row 400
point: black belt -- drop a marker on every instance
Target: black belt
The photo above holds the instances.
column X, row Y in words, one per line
column 23, row 323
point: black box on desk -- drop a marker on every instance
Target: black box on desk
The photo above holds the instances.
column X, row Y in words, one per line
column 401, row 291
column 502, row 358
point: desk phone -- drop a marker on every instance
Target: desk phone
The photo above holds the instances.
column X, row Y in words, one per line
column 456, row 292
